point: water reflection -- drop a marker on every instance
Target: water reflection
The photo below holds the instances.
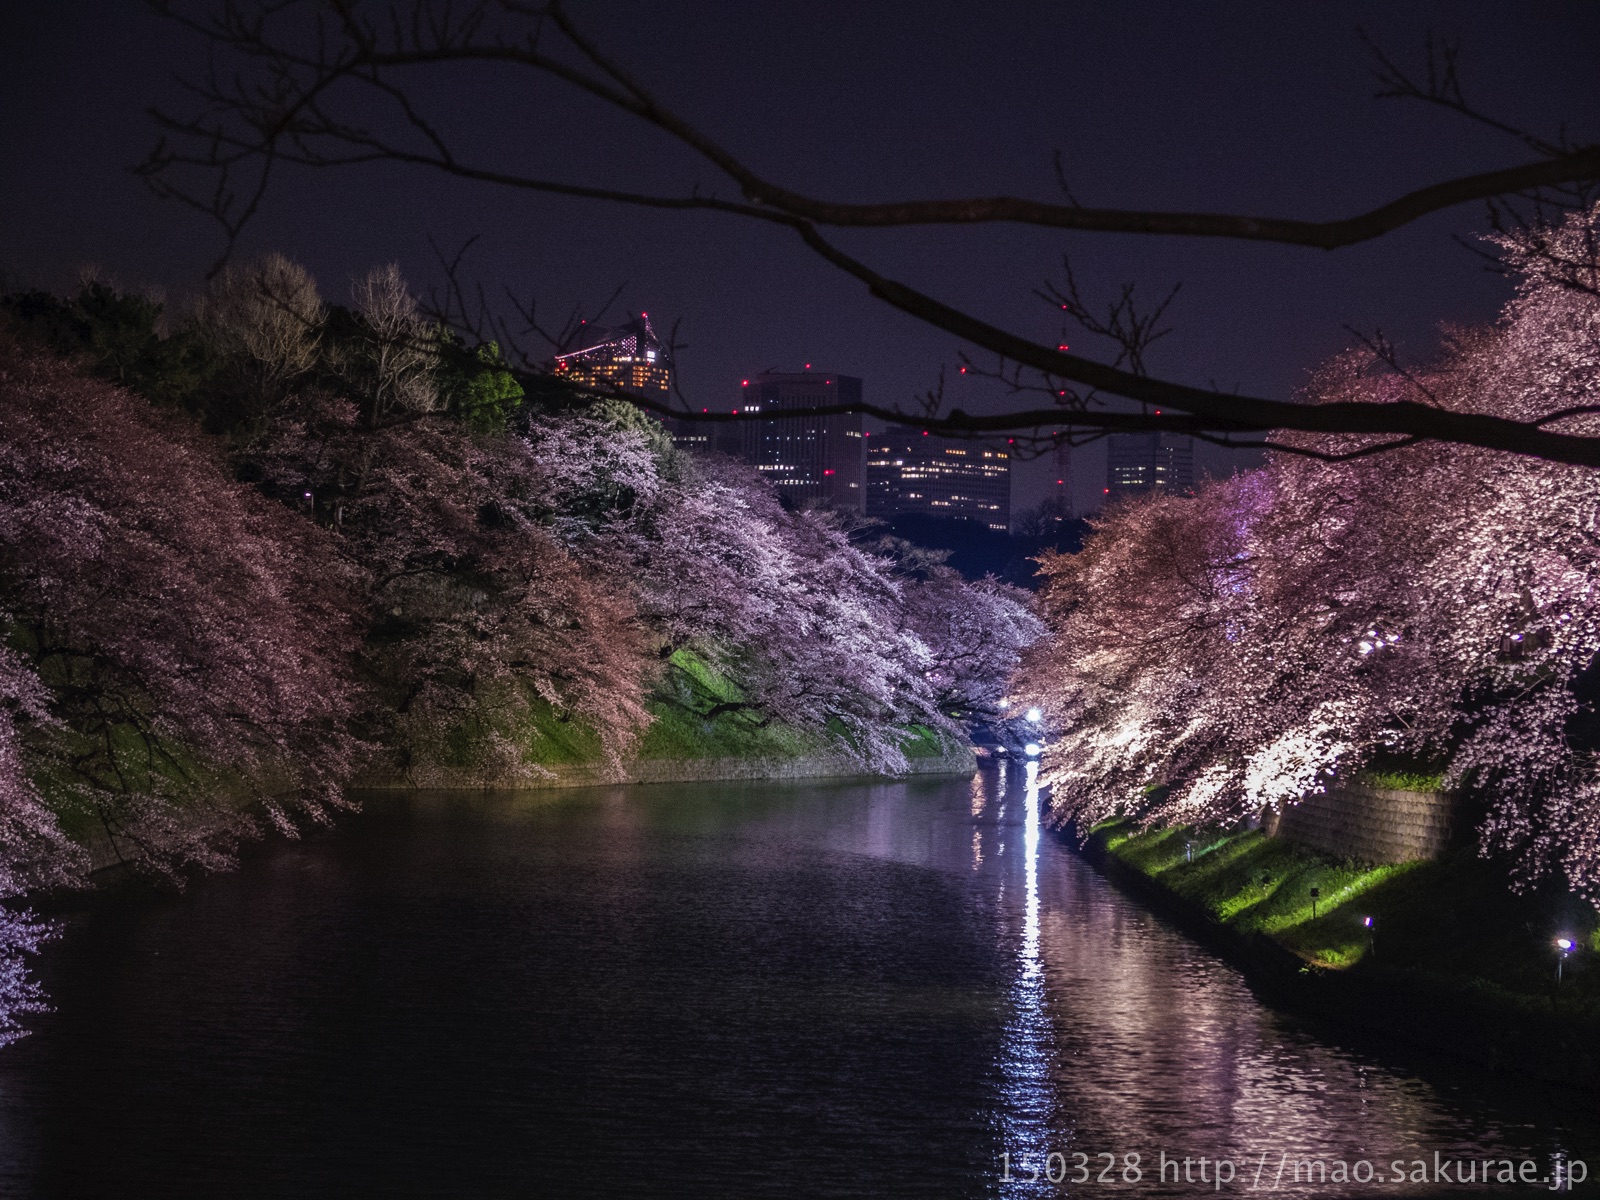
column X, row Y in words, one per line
column 743, row 990
column 1131, row 1054
column 1031, row 1135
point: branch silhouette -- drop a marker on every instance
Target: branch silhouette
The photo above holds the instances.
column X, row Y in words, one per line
column 297, row 58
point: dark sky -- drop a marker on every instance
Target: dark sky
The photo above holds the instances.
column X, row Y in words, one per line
column 1261, row 107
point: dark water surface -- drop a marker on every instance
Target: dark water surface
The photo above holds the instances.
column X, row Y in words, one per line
column 707, row 990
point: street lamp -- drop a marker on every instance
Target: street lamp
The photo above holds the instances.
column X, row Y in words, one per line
column 1032, row 749
column 1564, row 945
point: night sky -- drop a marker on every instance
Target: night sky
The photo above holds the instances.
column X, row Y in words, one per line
column 1247, row 107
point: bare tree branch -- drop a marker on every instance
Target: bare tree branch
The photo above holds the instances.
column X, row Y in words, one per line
column 301, row 56
column 1132, row 330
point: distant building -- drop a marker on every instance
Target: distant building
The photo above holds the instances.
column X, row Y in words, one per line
column 805, row 457
column 628, row 357
column 718, row 437
column 910, row 471
column 1139, row 463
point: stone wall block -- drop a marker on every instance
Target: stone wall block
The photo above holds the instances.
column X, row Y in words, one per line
column 1378, row 825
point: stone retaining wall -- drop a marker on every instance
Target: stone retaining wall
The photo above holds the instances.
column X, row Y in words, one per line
column 1378, row 825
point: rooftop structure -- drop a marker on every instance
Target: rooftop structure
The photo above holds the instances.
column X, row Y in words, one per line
column 628, row 357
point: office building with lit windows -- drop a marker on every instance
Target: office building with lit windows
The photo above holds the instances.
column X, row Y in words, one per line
column 1139, row 463
column 806, row 457
column 628, row 357
column 912, row 471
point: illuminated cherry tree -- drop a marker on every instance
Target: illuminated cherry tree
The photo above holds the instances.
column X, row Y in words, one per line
column 975, row 633
column 175, row 654
column 821, row 634
column 1215, row 656
column 34, row 852
column 782, row 601
column 481, row 619
column 190, row 634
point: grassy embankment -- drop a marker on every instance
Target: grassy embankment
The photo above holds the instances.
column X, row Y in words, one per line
column 679, row 731
column 1452, row 926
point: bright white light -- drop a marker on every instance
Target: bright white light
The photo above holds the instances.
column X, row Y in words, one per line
column 1365, row 647
column 1005, row 704
column 1565, row 944
column 1029, row 1053
column 1032, row 749
column 1035, row 715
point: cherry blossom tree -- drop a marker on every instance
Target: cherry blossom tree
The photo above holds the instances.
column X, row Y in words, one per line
column 783, row 602
column 34, row 851
column 600, row 469
column 1213, row 657
column 192, row 637
column 838, row 654
column 820, row 634
column 975, row 631
column 481, row 615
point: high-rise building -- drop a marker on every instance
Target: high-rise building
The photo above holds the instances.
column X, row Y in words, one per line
column 912, row 471
column 805, row 457
column 1137, row 463
column 628, row 357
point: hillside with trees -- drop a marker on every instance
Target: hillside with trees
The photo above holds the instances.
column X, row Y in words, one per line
column 256, row 551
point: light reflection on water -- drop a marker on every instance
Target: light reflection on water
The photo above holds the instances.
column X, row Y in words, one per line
column 1028, row 1107
column 702, row 990
column 1127, row 1039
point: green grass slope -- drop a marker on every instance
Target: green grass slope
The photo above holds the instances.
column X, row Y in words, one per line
column 1454, row 923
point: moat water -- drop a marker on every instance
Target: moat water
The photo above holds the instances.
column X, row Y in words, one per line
column 707, row 990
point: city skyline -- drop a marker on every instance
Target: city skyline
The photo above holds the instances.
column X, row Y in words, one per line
column 830, row 458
